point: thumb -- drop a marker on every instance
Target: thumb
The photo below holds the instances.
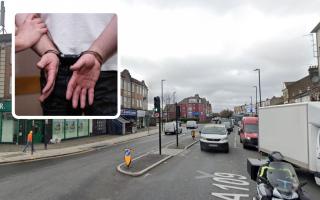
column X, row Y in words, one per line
column 78, row 65
column 43, row 62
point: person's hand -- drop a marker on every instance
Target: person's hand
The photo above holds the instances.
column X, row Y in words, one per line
column 86, row 72
column 30, row 31
column 49, row 62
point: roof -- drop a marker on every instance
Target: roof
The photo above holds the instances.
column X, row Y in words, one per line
column 315, row 29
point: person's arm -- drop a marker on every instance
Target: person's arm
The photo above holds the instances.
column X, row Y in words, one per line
column 87, row 68
column 48, row 62
column 29, row 29
column 106, row 44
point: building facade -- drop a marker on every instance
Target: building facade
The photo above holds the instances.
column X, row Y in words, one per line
column 134, row 100
column 302, row 90
column 316, row 32
column 7, row 122
column 195, row 107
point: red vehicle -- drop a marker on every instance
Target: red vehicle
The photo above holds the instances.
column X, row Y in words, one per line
column 249, row 132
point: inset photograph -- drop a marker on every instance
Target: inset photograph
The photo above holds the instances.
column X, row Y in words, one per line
column 66, row 64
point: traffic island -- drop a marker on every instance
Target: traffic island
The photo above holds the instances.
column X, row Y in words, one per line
column 146, row 162
column 184, row 144
column 142, row 164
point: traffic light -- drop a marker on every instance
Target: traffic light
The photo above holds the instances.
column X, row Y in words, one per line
column 177, row 111
column 156, row 104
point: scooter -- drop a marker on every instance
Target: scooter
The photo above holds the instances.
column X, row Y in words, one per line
column 276, row 179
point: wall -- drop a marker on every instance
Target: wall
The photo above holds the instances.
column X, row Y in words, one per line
column 27, row 84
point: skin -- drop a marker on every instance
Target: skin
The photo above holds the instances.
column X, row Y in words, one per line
column 87, row 68
column 29, row 32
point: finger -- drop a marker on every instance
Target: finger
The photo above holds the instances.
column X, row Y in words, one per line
column 78, row 65
column 91, row 95
column 71, row 86
column 43, row 96
column 43, row 62
column 41, row 25
column 75, row 97
column 43, row 30
column 31, row 16
column 50, row 80
column 83, row 97
column 37, row 21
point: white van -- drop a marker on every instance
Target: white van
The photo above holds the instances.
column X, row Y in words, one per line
column 170, row 128
column 192, row 125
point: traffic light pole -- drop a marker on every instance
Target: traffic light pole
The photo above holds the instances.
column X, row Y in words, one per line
column 177, row 127
column 159, row 135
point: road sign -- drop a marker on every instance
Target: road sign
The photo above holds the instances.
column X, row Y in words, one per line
column 156, row 114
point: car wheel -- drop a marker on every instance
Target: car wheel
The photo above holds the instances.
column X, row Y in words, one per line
column 240, row 140
column 201, row 147
column 244, row 145
column 226, row 150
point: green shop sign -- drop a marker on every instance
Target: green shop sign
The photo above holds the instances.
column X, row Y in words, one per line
column 5, row 106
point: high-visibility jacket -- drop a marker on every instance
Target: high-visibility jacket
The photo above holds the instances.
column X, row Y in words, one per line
column 29, row 137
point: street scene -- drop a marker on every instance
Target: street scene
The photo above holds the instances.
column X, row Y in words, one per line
column 206, row 100
column 192, row 174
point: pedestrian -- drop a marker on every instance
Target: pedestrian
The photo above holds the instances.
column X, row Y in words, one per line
column 29, row 141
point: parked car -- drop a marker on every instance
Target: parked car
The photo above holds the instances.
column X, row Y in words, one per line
column 192, row 125
column 214, row 136
column 249, row 132
column 170, row 128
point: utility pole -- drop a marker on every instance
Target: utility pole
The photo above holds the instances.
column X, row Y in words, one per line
column 258, row 70
column 161, row 110
column 2, row 24
column 256, row 98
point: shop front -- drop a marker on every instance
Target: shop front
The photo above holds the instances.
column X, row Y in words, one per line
column 141, row 118
column 69, row 128
column 7, row 123
column 131, row 116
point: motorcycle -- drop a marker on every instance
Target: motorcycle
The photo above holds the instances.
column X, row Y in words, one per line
column 277, row 180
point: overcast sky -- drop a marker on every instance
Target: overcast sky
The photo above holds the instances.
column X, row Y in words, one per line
column 211, row 47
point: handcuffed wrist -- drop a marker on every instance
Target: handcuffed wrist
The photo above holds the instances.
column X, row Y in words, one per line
column 95, row 54
column 52, row 51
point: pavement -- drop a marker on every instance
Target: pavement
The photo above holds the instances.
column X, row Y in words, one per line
column 10, row 153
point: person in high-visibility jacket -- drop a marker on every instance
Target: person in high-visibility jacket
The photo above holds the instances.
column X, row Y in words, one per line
column 29, row 141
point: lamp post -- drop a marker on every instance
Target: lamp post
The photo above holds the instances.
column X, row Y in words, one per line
column 161, row 110
column 258, row 70
column 256, row 98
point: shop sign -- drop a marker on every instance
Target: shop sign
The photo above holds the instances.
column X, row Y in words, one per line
column 128, row 112
column 5, row 106
column 141, row 113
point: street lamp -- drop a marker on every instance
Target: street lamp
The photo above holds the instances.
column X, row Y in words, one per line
column 259, row 86
column 161, row 110
column 256, row 98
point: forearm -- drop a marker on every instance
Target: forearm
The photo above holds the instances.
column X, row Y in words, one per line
column 43, row 45
column 106, row 43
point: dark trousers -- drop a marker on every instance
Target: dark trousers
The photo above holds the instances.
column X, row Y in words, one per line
column 27, row 145
column 105, row 95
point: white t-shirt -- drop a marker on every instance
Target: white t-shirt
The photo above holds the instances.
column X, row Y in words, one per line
column 75, row 33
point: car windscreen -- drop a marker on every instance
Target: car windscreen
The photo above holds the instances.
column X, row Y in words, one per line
column 213, row 130
column 251, row 128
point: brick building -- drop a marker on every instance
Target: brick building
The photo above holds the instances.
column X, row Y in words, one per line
column 134, row 99
column 195, row 107
column 302, row 90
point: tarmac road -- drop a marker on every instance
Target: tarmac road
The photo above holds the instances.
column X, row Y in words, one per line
column 194, row 174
